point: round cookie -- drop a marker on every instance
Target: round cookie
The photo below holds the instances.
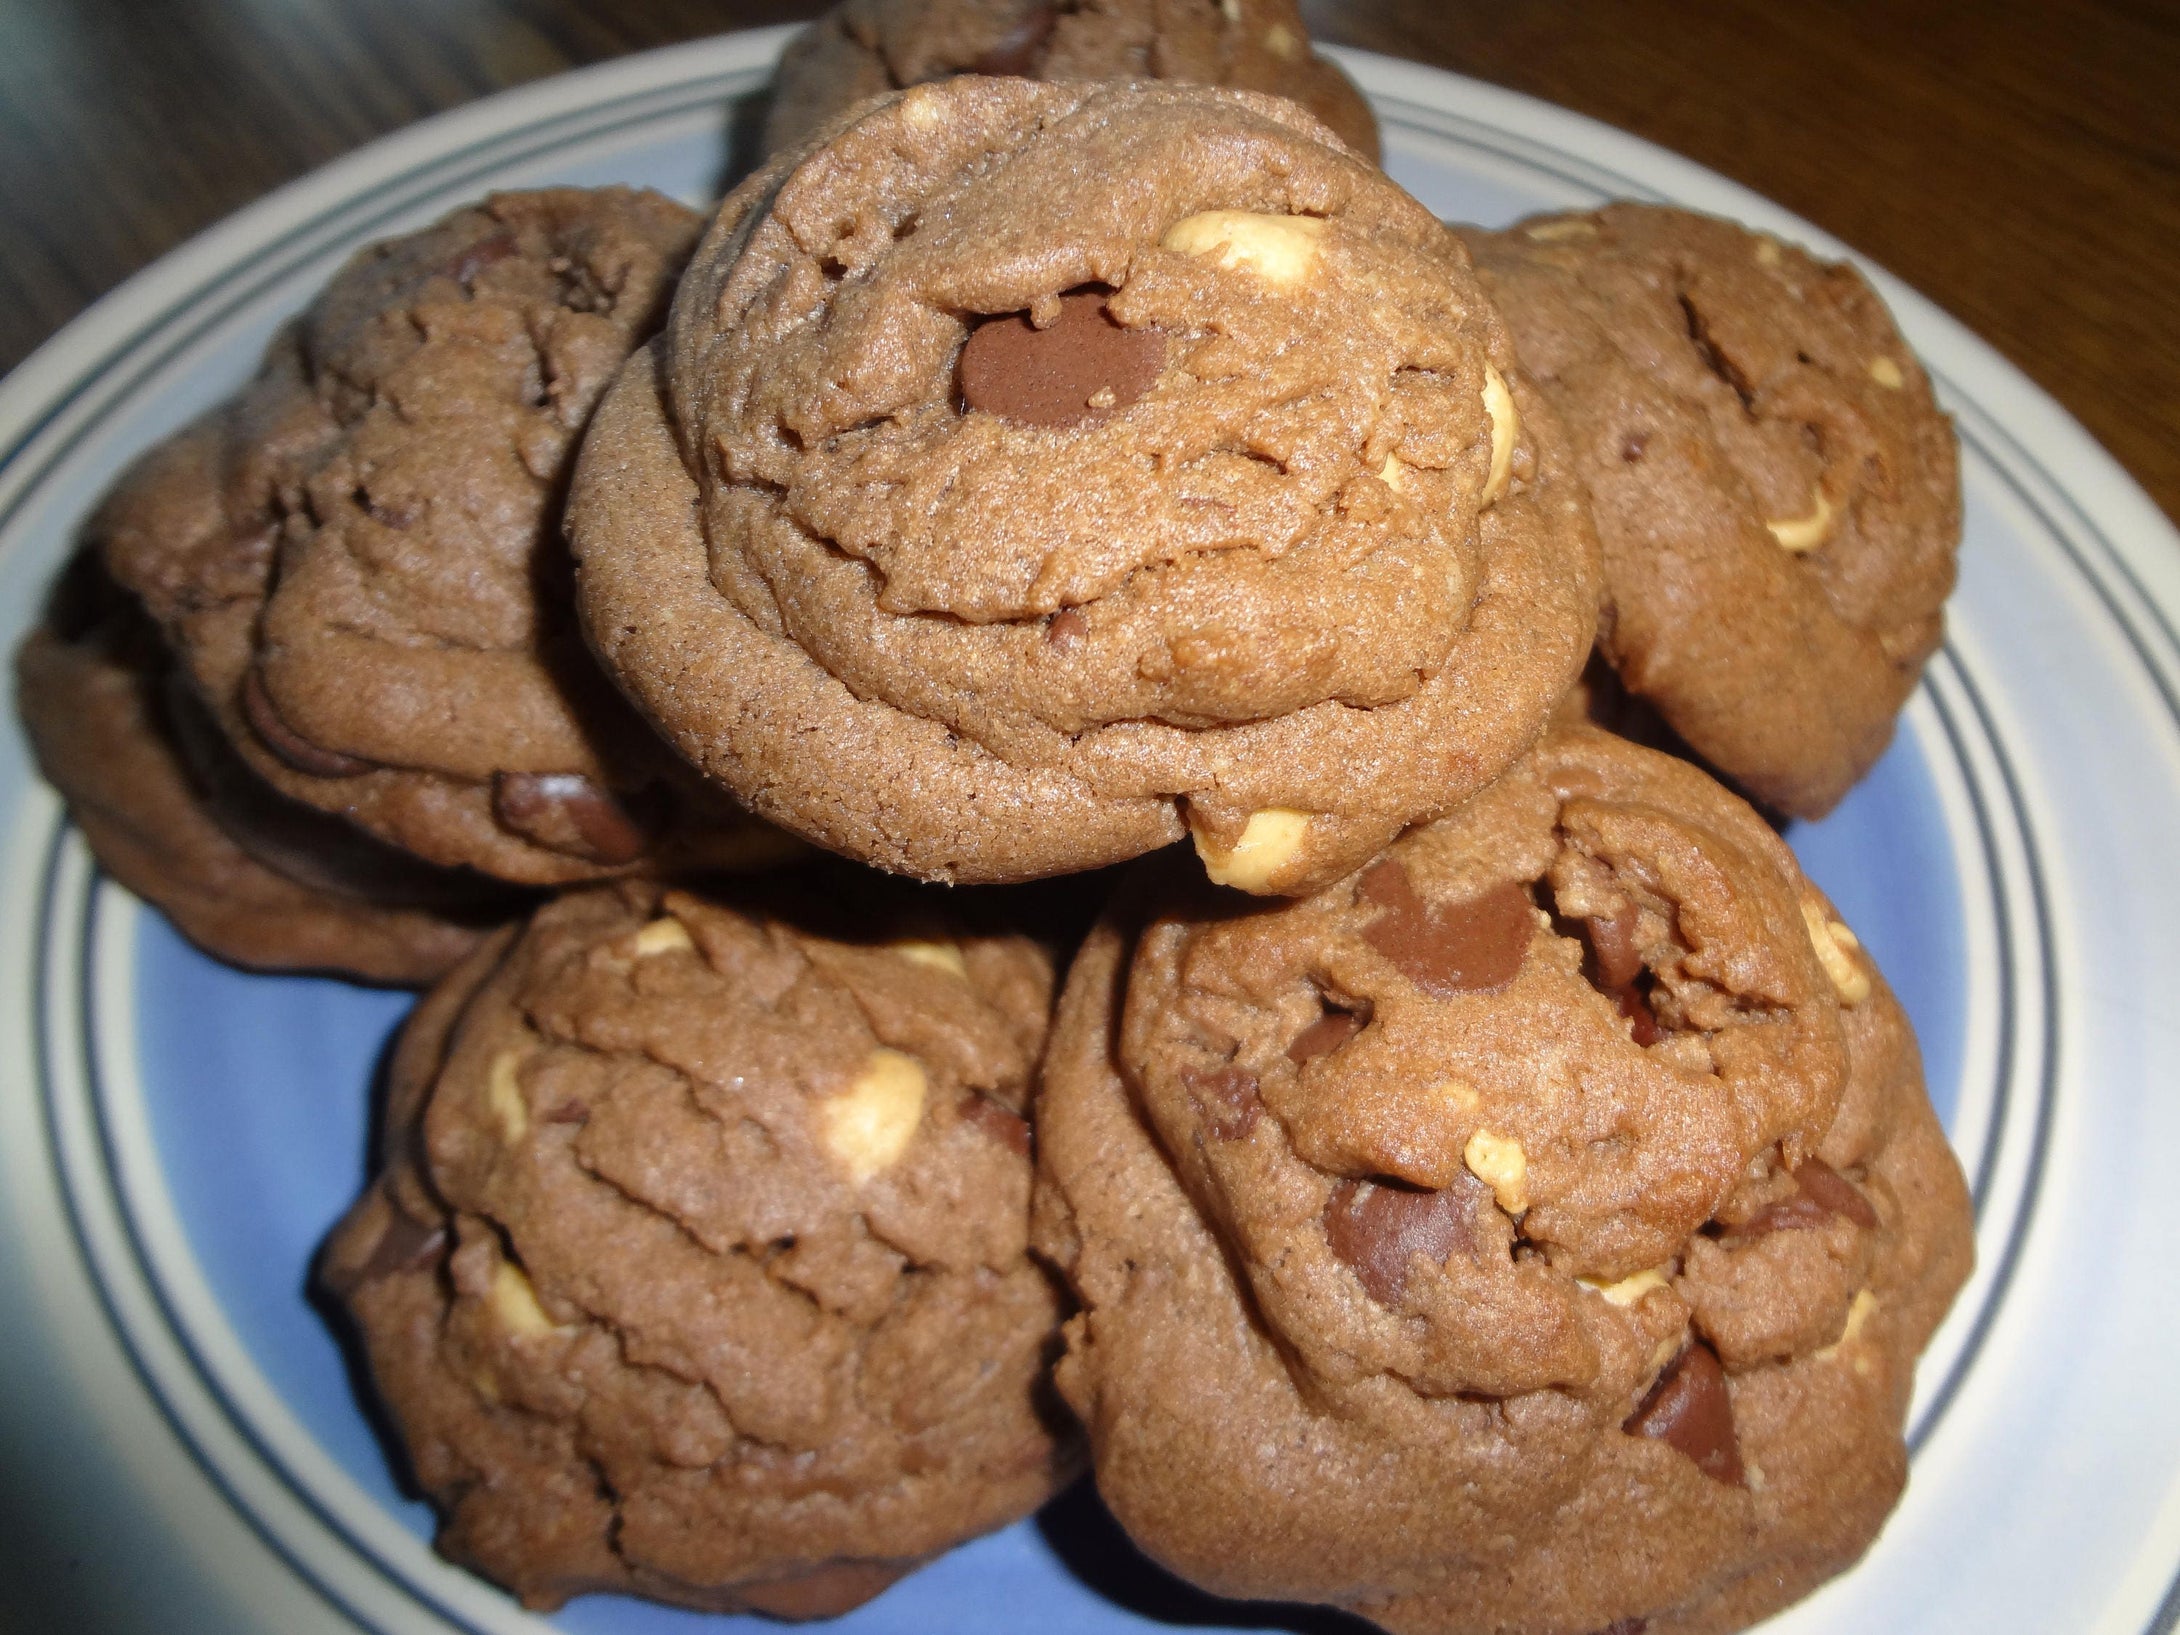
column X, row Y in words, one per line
column 698, row 1269
column 1034, row 474
column 357, row 562
column 247, row 875
column 862, row 48
column 1776, row 491
column 1534, row 1233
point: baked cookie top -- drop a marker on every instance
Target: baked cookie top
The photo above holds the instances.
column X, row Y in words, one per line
column 358, row 561
column 1033, row 472
column 698, row 1269
column 1534, row 1231
column 863, row 48
column 170, row 811
column 1775, row 489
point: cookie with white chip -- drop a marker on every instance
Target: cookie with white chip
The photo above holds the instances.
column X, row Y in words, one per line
column 1032, row 474
column 1775, row 489
column 863, row 48
column 1536, row 1231
column 698, row 1270
column 357, row 562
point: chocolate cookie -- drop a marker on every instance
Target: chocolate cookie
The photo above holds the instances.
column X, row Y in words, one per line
column 1034, row 474
column 1535, row 1232
column 698, row 1269
column 862, row 48
column 247, row 875
column 358, row 561
column 1776, row 491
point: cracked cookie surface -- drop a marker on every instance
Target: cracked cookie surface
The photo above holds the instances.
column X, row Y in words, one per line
column 1033, row 474
column 358, row 564
column 1536, row 1231
column 864, row 48
column 698, row 1267
column 1775, row 489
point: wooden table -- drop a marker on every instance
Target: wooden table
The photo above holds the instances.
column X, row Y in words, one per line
column 2016, row 160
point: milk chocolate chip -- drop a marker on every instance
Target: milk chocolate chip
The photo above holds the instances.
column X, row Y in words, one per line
column 1691, row 1411
column 1612, row 942
column 1008, row 1129
column 1325, row 1035
column 1226, row 1099
column 1375, row 1227
column 1472, row 946
column 1822, row 1192
column 294, row 750
column 566, row 812
column 406, row 1245
column 1079, row 369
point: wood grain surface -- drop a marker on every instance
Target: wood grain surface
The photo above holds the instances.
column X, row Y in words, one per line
column 2016, row 160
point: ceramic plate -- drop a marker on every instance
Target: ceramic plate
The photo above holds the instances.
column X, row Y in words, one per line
column 182, row 1443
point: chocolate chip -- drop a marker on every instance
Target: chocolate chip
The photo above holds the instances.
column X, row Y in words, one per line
column 569, row 1112
column 1691, row 1411
column 566, row 812
column 1080, row 369
column 1624, row 1626
column 1019, row 49
column 1375, row 1227
column 1637, row 1010
column 1612, row 944
column 1632, row 450
column 1325, row 1035
column 1473, row 946
column 1009, row 1129
column 1226, row 1099
column 289, row 746
column 1822, row 1184
column 406, row 1245
column 1066, row 628
column 1821, row 1192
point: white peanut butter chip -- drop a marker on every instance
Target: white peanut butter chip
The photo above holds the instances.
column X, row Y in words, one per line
column 1392, row 474
column 1629, row 1289
column 663, row 936
column 1887, row 374
column 1461, row 1093
column 1768, row 253
column 1858, row 1317
column 503, row 1095
column 870, row 1125
column 1545, row 232
column 1505, row 428
column 1499, row 1162
column 1799, row 534
column 1836, row 947
column 1268, row 843
column 514, row 1302
column 1281, row 250
column 920, row 107
column 1279, row 40
column 939, row 956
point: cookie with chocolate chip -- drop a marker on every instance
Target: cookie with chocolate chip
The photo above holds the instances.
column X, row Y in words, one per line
column 1034, row 474
column 1776, row 491
column 698, row 1268
column 863, row 48
column 1535, row 1231
column 358, row 564
column 171, row 812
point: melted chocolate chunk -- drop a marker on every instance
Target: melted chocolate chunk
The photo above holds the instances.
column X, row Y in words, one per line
column 1226, row 1099
column 1625, row 1626
column 1078, row 370
column 1637, row 1010
column 406, row 1245
column 1691, row 1411
column 290, row 746
column 566, row 812
column 569, row 1112
column 1010, row 1130
column 1066, row 628
column 1822, row 1192
column 484, row 253
column 1475, row 946
column 1022, row 47
column 1612, row 944
column 1375, row 1227
column 1325, row 1035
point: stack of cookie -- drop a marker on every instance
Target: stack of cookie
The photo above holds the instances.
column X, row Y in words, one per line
column 1477, row 1181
